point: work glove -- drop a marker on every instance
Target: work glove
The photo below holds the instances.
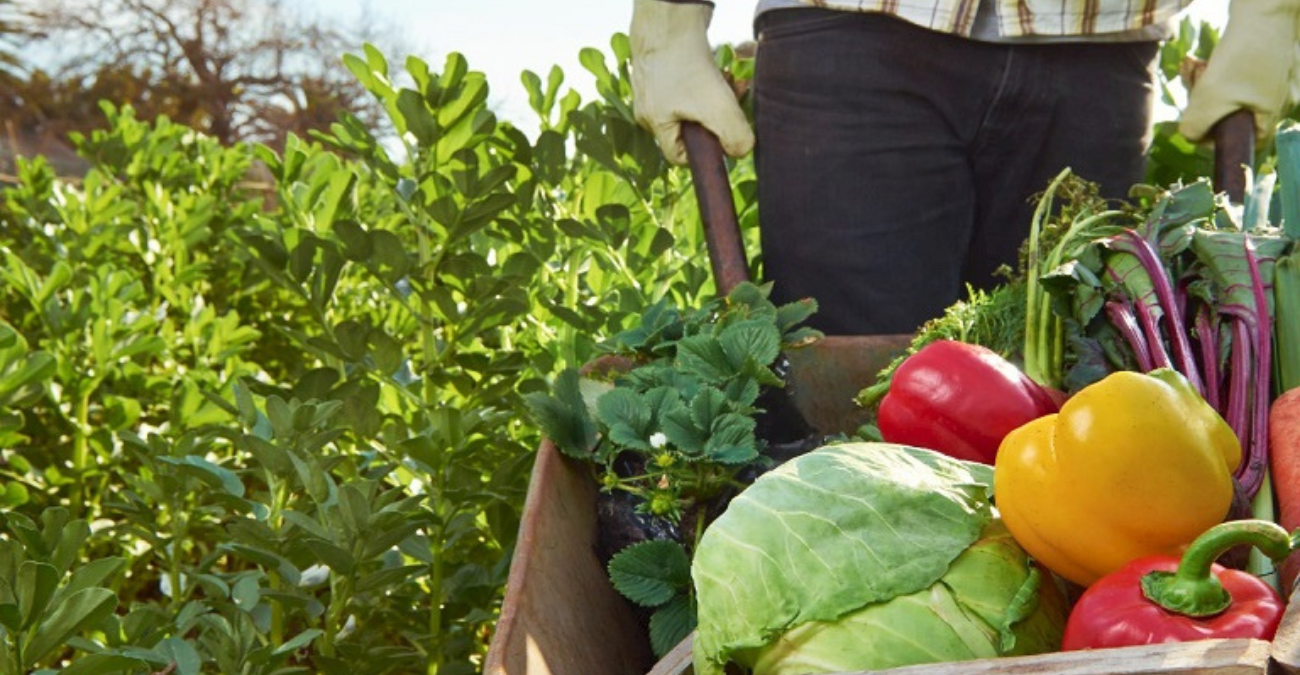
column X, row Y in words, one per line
column 675, row 79
column 1254, row 67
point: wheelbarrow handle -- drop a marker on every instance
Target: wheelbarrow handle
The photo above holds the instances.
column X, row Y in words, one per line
column 1234, row 148
column 718, row 211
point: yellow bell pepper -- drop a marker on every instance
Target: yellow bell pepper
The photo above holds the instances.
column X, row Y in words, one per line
column 1135, row 464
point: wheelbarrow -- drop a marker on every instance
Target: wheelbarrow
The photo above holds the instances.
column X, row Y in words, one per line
column 561, row 616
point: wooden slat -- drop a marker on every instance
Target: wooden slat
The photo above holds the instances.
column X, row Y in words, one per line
column 677, row 661
column 561, row 616
column 1206, row 657
column 1286, row 644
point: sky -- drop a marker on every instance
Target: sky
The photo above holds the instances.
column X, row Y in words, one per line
column 503, row 38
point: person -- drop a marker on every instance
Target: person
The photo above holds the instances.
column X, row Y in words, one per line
column 899, row 143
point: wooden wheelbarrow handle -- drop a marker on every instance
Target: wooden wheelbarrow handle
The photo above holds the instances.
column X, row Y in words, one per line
column 717, row 210
column 1234, row 148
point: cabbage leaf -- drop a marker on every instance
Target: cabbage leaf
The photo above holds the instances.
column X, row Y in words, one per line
column 828, row 533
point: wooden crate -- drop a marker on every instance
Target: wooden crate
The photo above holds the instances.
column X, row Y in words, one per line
column 561, row 616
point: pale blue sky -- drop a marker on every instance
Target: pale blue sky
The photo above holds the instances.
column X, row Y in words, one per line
column 502, row 38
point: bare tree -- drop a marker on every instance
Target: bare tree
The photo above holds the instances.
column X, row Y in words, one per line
column 237, row 69
column 12, row 27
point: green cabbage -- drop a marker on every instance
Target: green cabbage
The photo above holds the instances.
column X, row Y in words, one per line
column 864, row 556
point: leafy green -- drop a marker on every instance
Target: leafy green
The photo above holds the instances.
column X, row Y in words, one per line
column 687, row 407
column 1181, row 279
column 671, row 623
column 650, row 573
column 683, row 417
column 861, row 556
column 564, row 415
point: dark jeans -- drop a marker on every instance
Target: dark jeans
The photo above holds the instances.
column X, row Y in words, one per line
column 896, row 164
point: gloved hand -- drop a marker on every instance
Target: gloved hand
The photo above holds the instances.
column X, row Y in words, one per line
column 675, row 79
column 1254, row 67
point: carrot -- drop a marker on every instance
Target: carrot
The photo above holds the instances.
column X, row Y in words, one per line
column 1284, row 464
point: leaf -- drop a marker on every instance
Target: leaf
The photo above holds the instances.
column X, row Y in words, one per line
column 704, row 355
column 355, row 240
column 90, row 575
column 563, row 416
column 183, row 654
column 298, row 641
column 416, row 118
column 80, row 611
column 731, row 439
column 1224, row 256
column 551, row 157
column 211, row 474
column 272, row 457
column 105, row 664
column 650, row 573
column 683, row 433
column 533, row 86
column 671, row 623
column 244, row 403
column 269, row 560
column 360, row 69
column 35, row 586
column 755, row 341
column 386, row 351
column 627, row 416
column 819, row 537
column 12, row 494
column 320, row 486
column 354, row 507
column 307, row 523
column 24, row 380
column 246, row 592
column 387, row 578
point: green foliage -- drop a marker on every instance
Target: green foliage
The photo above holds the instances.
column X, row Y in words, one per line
column 275, row 401
column 684, row 416
column 657, row 574
column 1171, row 157
column 687, row 406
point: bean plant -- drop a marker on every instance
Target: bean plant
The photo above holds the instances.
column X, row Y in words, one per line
column 263, row 411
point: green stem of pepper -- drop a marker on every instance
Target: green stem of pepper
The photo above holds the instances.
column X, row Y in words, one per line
column 1193, row 590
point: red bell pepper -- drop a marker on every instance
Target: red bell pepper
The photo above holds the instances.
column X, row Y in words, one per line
column 1162, row 599
column 959, row 399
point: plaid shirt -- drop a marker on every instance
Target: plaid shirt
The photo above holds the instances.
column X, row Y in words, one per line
column 1017, row 18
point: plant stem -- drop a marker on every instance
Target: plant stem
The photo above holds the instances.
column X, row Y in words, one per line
column 435, row 609
column 275, row 520
column 1194, row 590
column 1286, row 329
column 340, row 597
column 81, row 450
column 428, row 343
column 1036, row 309
column 179, row 529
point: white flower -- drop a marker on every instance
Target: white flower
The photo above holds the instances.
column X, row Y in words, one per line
column 313, row 576
column 658, row 440
column 348, row 626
